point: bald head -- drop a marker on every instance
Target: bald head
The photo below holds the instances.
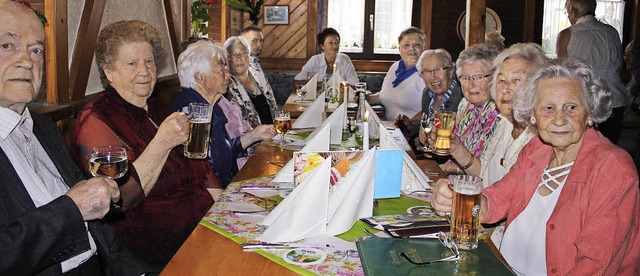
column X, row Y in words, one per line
column 21, row 55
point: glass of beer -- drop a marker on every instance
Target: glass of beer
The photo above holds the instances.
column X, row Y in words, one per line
column 443, row 123
column 108, row 161
column 197, row 145
column 282, row 124
column 465, row 211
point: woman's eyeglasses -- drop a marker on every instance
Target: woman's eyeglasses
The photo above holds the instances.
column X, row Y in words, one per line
column 466, row 79
column 444, row 240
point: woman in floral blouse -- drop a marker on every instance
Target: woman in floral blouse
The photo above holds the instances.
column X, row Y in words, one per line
column 477, row 115
column 256, row 102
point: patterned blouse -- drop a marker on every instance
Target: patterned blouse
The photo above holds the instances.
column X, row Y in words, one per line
column 238, row 95
column 476, row 125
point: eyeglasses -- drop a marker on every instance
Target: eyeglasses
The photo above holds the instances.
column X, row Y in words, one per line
column 434, row 71
column 240, row 55
column 444, row 240
column 466, row 79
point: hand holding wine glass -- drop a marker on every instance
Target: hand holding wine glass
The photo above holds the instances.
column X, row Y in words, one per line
column 426, row 124
column 110, row 162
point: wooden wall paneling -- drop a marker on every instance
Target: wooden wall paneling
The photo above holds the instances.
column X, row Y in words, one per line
column 529, row 20
column 223, row 20
column 56, row 62
column 312, row 27
column 173, row 29
column 85, row 46
column 476, row 13
column 635, row 22
column 292, row 38
column 425, row 21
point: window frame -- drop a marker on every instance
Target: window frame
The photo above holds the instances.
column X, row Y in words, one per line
column 367, row 45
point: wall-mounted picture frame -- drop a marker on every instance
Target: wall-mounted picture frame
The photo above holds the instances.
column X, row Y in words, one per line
column 276, row 15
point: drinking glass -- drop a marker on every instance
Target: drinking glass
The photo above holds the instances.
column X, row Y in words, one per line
column 108, row 161
column 301, row 91
column 197, row 146
column 282, row 124
column 426, row 124
column 444, row 123
column 465, row 211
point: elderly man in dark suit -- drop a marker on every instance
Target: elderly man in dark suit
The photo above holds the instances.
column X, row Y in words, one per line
column 48, row 211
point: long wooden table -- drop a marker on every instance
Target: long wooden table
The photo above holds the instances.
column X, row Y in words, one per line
column 206, row 252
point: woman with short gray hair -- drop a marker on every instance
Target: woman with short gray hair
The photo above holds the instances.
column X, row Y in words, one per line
column 570, row 185
column 256, row 102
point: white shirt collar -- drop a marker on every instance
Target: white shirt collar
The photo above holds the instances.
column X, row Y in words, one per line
column 585, row 18
column 9, row 120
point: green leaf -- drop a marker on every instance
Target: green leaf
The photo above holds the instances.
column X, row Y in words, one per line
column 239, row 5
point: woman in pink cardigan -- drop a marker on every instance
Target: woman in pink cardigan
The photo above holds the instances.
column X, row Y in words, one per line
column 572, row 199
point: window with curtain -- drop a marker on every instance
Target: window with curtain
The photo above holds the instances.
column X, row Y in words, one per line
column 369, row 29
column 555, row 20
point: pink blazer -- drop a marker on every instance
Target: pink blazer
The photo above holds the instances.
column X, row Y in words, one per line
column 594, row 228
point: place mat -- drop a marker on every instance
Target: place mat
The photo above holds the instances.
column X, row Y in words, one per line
column 245, row 228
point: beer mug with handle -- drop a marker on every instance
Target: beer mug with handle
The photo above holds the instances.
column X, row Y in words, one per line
column 465, row 211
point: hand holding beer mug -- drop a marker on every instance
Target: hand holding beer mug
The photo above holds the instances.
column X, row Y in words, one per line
column 465, row 211
column 444, row 122
column 197, row 145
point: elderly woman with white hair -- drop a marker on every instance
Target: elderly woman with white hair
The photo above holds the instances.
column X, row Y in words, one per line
column 571, row 200
column 256, row 102
column 204, row 78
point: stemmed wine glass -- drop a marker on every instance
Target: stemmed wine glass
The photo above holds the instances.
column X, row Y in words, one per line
column 110, row 162
column 301, row 91
column 426, row 124
column 282, row 124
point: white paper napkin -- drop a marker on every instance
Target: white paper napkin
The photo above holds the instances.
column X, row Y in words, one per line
column 413, row 178
column 353, row 199
column 311, row 88
column 335, row 80
column 303, row 213
column 317, row 141
column 312, row 116
column 337, row 119
column 374, row 122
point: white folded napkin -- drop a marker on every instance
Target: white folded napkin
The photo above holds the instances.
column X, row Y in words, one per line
column 311, row 87
column 337, row 120
column 354, row 198
column 311, row 210
column 413, row 178
column 302, row 214
column 318, row 141
column 312, row 116
column 374, row 122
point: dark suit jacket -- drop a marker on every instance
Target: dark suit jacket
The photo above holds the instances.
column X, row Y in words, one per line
column 36, row 240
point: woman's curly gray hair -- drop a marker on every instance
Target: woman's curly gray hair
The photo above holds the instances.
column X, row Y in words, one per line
column 119, row 33
column 530, row 52
column 479, row 52
column 595, row 92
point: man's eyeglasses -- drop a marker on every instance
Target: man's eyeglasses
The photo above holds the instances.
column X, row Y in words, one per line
column 239, row 55
column 444, row 240
column 466, row 79
column 434, row 71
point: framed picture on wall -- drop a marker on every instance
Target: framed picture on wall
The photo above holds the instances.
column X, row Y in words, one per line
column 276, row 15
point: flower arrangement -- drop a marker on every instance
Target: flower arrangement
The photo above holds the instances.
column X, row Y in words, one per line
column 200, row 14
